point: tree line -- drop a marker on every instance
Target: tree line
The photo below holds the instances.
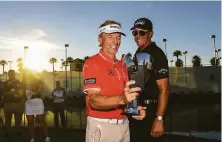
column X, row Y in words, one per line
column 196, row 61
column 78, row 63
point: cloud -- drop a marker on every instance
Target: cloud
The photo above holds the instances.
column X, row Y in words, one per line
column 9, row 41
column 39, row 33
column 12, row 46
column 42, row 45
column 34, row 38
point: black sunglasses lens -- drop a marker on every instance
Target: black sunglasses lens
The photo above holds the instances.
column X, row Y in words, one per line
column 134, row 33
column 141, row 33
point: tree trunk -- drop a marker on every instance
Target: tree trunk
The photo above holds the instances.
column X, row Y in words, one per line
column 53, row 68
column 3, row 68
column 70, row 66
column 176, row 75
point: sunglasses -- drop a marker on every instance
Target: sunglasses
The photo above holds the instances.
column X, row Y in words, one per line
column 140, row 32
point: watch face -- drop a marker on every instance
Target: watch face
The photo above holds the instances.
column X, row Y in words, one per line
column 160, row 118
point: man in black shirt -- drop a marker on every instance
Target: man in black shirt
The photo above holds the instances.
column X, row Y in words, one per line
column 13, row 101
column 156, row 90
column 59, row 95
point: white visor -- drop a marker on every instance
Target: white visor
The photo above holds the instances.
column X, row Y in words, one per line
column 112, row 28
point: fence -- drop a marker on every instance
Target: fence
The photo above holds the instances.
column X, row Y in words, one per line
column 185, row 113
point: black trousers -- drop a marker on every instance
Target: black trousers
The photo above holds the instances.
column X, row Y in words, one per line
column 59, row 109
column 140, row 130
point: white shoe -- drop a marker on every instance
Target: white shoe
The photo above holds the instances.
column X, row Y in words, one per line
column 47, row 139
column 32, row 140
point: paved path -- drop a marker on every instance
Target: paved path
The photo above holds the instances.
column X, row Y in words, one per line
column 74, row 135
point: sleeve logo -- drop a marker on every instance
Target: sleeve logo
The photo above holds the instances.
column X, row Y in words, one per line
column 90, row 81
column 163, row 71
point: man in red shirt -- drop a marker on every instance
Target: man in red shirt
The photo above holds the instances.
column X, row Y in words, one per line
column 108, row 89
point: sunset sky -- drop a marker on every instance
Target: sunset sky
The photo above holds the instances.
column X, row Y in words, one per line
column 46, row 26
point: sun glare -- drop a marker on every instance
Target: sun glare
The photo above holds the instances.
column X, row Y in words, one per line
column 35, row 60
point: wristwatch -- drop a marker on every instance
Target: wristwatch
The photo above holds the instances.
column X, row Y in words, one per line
column 160, row 118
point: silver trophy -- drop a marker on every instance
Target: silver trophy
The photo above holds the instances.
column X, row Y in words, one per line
column 139, row 69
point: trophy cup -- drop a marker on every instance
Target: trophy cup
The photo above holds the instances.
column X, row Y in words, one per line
column 139, row 70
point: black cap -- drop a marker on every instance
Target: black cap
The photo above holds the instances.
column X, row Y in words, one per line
column 143, row 23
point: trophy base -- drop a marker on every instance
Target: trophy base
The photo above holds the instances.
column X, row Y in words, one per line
column 131, row 111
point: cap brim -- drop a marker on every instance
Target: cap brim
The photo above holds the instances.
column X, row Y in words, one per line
column 138, row 26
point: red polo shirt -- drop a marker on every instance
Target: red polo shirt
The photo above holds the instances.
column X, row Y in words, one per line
column 107, row 75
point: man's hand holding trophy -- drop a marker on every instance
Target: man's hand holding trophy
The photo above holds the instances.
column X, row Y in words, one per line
column 139, row 70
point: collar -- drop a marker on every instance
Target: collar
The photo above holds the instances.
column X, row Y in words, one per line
column 59, row 88
column 106, row 57
column 148, row 47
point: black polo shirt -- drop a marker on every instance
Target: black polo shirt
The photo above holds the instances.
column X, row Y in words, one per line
column 160, row 70
column 11, row 88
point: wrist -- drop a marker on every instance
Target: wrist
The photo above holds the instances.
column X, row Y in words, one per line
column 123, row 100
column 159, row 118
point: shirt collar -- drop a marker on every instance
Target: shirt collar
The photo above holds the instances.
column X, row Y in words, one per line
column 106, row 57
column 148, row 47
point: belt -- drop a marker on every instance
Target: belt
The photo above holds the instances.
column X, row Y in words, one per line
column 111, row 121
column 147, row 102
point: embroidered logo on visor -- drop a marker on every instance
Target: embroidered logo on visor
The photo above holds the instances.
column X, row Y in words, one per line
column 90, row 81
column 112, row 28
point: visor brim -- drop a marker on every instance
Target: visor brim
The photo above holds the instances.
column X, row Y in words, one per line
column 115, row 32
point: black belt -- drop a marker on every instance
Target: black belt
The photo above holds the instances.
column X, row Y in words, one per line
column 147, row 102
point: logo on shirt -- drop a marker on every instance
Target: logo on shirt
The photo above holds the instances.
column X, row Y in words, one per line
column 90, row 81
column 110, row 72
column 163, row 71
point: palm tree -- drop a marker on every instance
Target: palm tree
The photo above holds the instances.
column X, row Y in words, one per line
column 86, row 57
column 53, row 61
column 171, row 61
column 70, row 61
column 179, row 63
column 3, row 63
column 212, row 61
column 177, row 53
column 20, row 64
column 64, row 63
column 78, row 64
column 19, row 60
column 196, row 60
column 78, row 67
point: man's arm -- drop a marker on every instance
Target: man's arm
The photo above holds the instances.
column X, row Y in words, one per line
column 164, row 92
column 53, row 96
column 65, row 93
column 102, row 102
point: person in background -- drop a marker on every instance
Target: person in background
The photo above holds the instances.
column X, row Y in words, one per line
column 58, row 96
column 34, row 107
column 13, row 101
